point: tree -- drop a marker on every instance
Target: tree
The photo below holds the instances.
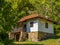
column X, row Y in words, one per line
column 10, row 13
column 12, row 10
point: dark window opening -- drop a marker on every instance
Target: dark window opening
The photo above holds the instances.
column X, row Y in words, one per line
column 46, row 25
column 31, row 24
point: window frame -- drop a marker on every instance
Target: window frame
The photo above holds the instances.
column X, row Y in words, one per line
column 31, row 24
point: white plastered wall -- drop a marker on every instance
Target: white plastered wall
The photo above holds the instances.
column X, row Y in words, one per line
column 41, row 26
column 35, row 26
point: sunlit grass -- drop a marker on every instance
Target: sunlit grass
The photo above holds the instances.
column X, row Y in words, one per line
column 51, row 42
column 44, row 42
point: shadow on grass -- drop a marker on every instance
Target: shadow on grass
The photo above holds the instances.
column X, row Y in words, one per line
column 55, row 37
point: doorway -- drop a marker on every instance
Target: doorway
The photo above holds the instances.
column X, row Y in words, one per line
column 17, row 36
column 24, row 28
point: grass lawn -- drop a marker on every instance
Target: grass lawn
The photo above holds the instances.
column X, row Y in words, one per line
column 50, row 41
column 44, row 42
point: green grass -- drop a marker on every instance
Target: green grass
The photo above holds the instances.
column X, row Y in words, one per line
column 44, row 42
column 50, row 41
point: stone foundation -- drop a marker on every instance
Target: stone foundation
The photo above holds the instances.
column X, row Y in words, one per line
column 11, row 36
column 38, row 36
column 43, row 35
column 33, row 36
column 23, row 36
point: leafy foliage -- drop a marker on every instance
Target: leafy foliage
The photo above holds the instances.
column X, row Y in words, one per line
column 12, row 10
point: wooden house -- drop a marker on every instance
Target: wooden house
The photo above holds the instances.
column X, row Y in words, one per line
column 33, row 27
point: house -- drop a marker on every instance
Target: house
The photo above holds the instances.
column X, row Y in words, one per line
column 33, row 27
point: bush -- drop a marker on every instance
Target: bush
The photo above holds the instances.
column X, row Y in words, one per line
column 4, row 39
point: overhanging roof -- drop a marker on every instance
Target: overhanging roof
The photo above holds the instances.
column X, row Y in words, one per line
column 35, row 16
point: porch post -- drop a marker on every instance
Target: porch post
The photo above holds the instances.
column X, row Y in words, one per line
column 21, row 35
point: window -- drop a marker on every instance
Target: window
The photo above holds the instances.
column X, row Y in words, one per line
column 31, row 24
column 46, row 25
